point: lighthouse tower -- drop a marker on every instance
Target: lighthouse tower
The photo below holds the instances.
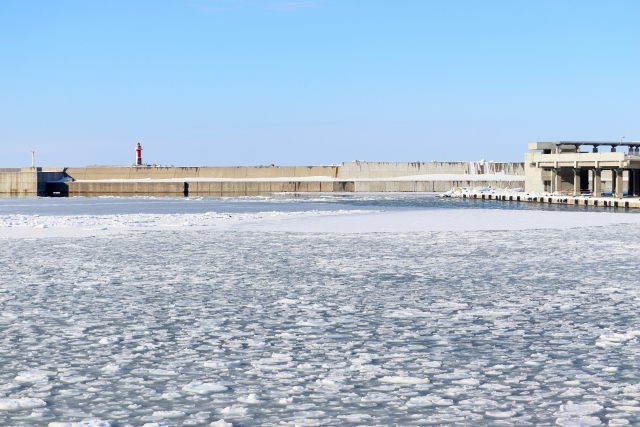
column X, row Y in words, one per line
column 138, row 155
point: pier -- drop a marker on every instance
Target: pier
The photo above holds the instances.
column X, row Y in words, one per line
column 609, row 202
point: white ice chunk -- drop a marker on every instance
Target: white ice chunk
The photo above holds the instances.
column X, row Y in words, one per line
column 403, row 380
column 9, row 386
column 252, row 398
column 628, row 408
column 467, row 381
column 204, row 388
column 112, row 367
column 499, row 414
column 34, row 376
column 221, row 365
column 570, row 409
column 235, row 410
column 92, row 423
column 429, row 400
column 74, row 379
column 169, row 414
column 145, row 347
column 378, row 397
column 21, row 403
column 162, row 372
column 582, row 421
column 618, row 422
column 171, row 395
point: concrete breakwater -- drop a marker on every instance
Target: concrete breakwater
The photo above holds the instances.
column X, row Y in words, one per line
column 545, row 198
column 27, row 181
column 256, row 180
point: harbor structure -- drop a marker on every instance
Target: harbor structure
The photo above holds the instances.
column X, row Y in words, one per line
column 347, row 177
column 567, row 168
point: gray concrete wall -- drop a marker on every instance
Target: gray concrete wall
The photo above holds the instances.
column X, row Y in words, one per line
column 533, row 175
column 110, row 188
column 355, row 170
column 171, row 172
column 19, row 181
column 345, row 171
column 30, row 181
column 233, row 188
column 427, row 186
column 230, row 188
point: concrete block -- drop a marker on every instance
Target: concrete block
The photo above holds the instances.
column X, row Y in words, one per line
column 264, row 187
column 234, row 187
column 313, row 187
column 252, row 187
column 326, row 186
column 276, row 187
column 289, row 186
column 184, row 172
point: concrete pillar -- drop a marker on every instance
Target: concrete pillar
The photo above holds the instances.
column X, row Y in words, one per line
column 636, row 181
column 618, row 182
column 576, row 182
column 557, row 184
column 630, row 182
column 597, row 182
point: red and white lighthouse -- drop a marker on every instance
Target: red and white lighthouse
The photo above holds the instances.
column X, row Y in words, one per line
column 138, row 155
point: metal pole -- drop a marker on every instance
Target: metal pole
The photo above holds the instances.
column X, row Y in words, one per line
column 33, row 159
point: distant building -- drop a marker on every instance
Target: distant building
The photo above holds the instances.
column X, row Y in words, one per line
column 565, row 168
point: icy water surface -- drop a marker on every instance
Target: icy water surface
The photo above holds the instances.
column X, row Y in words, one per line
column 189, row 328
column 65, row 206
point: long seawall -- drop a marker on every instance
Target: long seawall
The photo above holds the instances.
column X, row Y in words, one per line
column 257, row 180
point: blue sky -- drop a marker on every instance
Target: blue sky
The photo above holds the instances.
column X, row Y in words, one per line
column 250, row 82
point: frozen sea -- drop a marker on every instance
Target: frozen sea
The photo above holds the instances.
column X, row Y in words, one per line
column 378, row 310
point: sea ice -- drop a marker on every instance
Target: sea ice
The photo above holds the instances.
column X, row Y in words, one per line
column 403, row 380
column 34, row 376
column 204, row 388
column 571, row 408
column 235, row 410
column 466, row 327
column 251, row 398
column 21, row 403
column 580, row 421
column 92, row 423
column 169, row 414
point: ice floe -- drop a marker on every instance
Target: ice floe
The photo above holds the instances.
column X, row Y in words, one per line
column 204, row 388
column 467, row 327
column 21, row 403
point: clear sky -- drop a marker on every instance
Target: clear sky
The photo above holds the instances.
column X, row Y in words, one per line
column 250, row 82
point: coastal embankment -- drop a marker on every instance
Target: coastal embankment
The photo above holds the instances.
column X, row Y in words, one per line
column 257, row 180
